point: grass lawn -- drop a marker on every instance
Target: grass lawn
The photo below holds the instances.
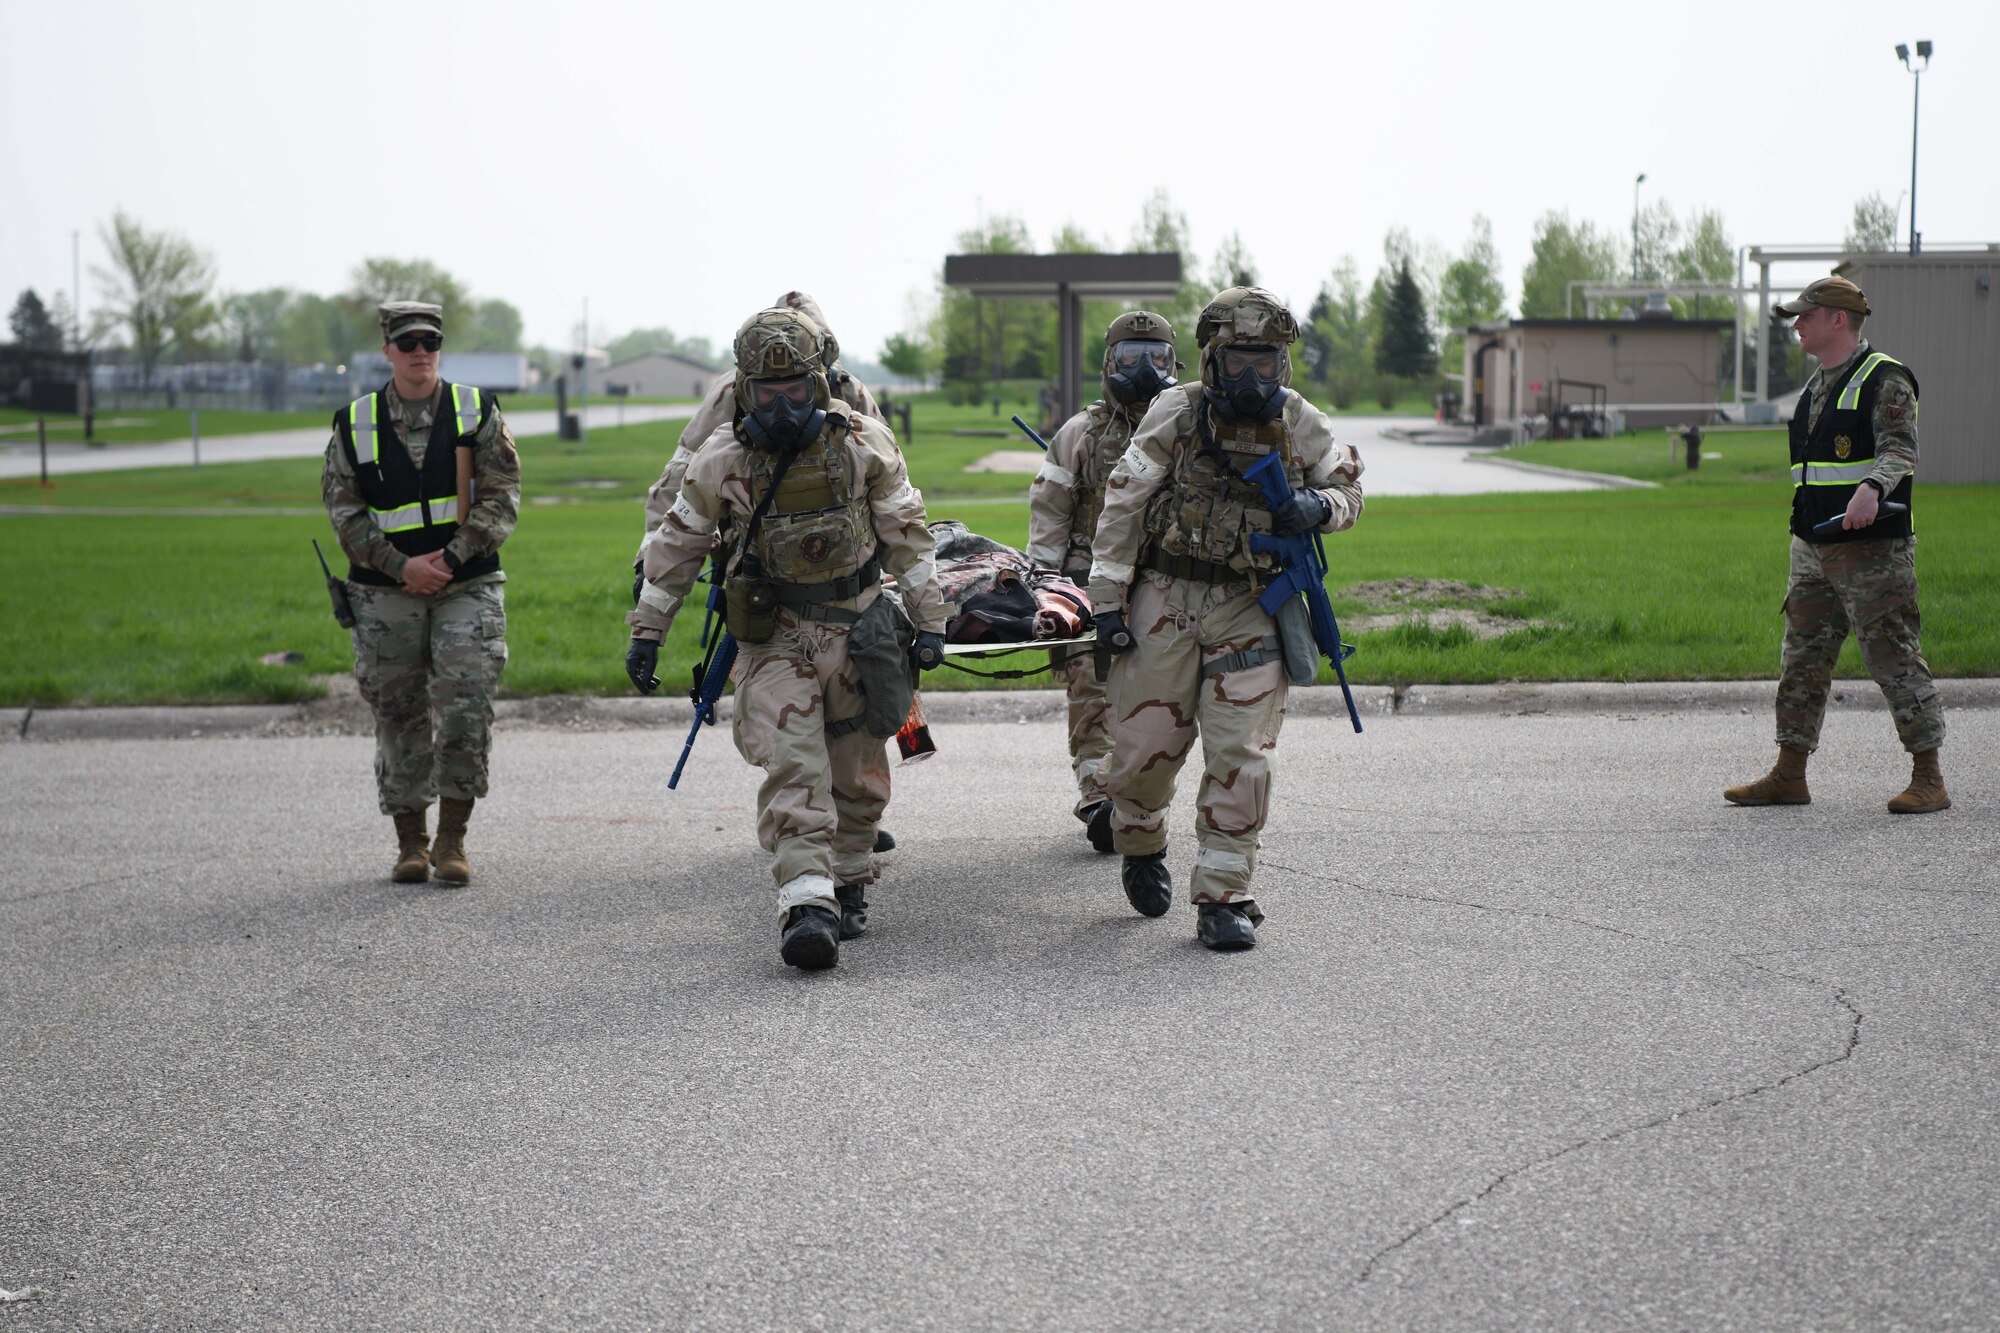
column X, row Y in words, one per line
column 1658, row 455
column 1682, row 582
column 149, row 425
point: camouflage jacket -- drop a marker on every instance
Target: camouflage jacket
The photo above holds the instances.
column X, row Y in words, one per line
column 1895, row 417
column 1067, row 495
column 496, row 479
column 1156, row 454
column 718, row 408
column 717, row 496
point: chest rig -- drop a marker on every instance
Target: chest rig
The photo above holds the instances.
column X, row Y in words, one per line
column 816, row 541
column 1199, row 524
column 1105, row 438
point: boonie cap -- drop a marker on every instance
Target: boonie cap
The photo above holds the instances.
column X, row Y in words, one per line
column 1832, row 293
column 401, row 317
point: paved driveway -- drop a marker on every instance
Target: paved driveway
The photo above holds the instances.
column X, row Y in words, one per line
column 1539, row 1034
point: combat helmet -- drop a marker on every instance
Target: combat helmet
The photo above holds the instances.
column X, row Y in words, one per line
column 1135, row 381
column 1246, row 317
column 779, row 344
column 829, row 346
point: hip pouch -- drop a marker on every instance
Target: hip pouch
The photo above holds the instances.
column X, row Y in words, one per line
column 879, row 647
column 750, row 607
column 1296, row 642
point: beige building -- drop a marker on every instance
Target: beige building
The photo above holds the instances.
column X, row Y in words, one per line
column 1939, row 313
column 1655, row 372
column 655, row 375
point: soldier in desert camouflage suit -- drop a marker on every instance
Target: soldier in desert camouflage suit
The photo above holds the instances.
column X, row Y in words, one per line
column 838, row 511
column 430, row 634
column 1854, row 449
column 1063, row 504
column 1174, row 579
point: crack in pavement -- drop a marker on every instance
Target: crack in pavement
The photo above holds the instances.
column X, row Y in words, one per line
column 1851, row 1041
column 57, row 893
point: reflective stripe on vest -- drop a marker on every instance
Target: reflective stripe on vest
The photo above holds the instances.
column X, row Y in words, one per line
column 367, row 439
column 412, row 516
column 1850, row 394
column 465, row 404
column 1831, row 474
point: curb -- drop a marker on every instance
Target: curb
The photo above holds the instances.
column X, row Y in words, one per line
column 570, row 712
column 1604, row 479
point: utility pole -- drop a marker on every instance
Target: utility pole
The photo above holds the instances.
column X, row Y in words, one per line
column 76, row 289
column 1635, row 225
column 1923, row 54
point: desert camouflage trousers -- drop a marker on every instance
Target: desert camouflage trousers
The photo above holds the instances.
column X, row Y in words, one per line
column 1089, row 740
column 1158, row 701
column 822, row 794
column 428, row 667
column 1869, row 587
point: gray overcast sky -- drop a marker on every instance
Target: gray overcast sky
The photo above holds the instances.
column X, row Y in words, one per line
column 682, row 164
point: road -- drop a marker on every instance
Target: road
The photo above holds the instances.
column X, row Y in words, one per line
column 1539, row 1034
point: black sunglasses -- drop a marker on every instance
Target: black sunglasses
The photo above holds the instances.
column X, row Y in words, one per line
column 409, row 342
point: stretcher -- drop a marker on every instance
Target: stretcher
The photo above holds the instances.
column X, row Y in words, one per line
column 978, row 651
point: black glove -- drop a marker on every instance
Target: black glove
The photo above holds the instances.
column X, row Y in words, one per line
column 928, row 651
column 1113, row 634
column 642, row 661
column 638, row 577
column 1305, row 511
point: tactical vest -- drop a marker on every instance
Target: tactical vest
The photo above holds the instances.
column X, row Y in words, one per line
column 416, row 510
column 1198, row 525
column 1830, row 459
column 816, row 541
column 1105, row 438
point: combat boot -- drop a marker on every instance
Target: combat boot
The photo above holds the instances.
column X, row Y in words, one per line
column 853, row 911
column 1225, row 927
column 1149, row 886
column 1926, row 790
column 1097, row 826
column 1785, row 784
column 810, row 939
column 413, row 850
column 448, row 855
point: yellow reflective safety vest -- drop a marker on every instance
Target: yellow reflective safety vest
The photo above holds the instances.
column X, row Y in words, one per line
column 1830, row 459
column 417, row 510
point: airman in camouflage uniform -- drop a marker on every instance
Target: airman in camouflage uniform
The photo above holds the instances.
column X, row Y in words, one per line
column 1854, row 450
column 812, row 503
column 1063, row 504
column 1174, row 584
column 423, row 484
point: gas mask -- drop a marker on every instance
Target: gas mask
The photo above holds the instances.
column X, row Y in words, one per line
column 782, row 413
column 1139, row 370
column 1248, row 382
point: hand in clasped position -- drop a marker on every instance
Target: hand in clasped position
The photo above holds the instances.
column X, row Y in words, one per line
column 1304, row 512
column 642, row 661
column 1113, row 634
column 426, row 574
column 927, row 652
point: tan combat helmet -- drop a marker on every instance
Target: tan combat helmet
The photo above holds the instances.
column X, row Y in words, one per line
column 777, row 344
column 805, row 305
column 1245, row 315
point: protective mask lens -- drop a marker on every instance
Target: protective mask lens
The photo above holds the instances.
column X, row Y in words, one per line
column 1129, row 355
column 766, row 395
column 1259, row 361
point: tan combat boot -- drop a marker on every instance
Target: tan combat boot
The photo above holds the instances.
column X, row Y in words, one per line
column 413, row 850
column 448, row 855
column 1926, row 790
column 1785, row 784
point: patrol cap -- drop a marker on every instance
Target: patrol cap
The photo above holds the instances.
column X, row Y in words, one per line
column 401, row 317
column 1832, row 293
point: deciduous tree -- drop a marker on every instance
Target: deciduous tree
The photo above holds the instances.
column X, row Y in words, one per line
column 155, row 287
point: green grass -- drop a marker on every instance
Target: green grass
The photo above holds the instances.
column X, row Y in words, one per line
column 1658, row 455
column 1683, row 582
column 149, row 425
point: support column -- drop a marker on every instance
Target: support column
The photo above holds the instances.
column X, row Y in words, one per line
column 1763, row 330
column 1069, row 348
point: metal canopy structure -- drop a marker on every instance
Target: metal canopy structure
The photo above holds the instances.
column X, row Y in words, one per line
column 1067, row 280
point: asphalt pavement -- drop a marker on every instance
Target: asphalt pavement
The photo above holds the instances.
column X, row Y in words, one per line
column 1539, row 1034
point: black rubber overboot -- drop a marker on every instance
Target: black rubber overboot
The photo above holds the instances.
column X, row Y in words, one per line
column 1149, row 887
column 1224, row 926
column 1097, row 827
column 810, row 939
column 884, row 841
column 853, row 911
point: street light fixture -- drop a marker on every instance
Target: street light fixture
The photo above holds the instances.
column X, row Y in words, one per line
column 1636, row 183
column 1923, row 54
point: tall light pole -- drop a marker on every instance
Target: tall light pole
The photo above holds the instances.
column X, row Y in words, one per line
column 1923, row 54
column 1636, row 183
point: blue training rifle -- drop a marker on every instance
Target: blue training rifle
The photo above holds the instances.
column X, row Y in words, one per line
column 1031, row 433
column 719, row 655
column 1303, row 571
